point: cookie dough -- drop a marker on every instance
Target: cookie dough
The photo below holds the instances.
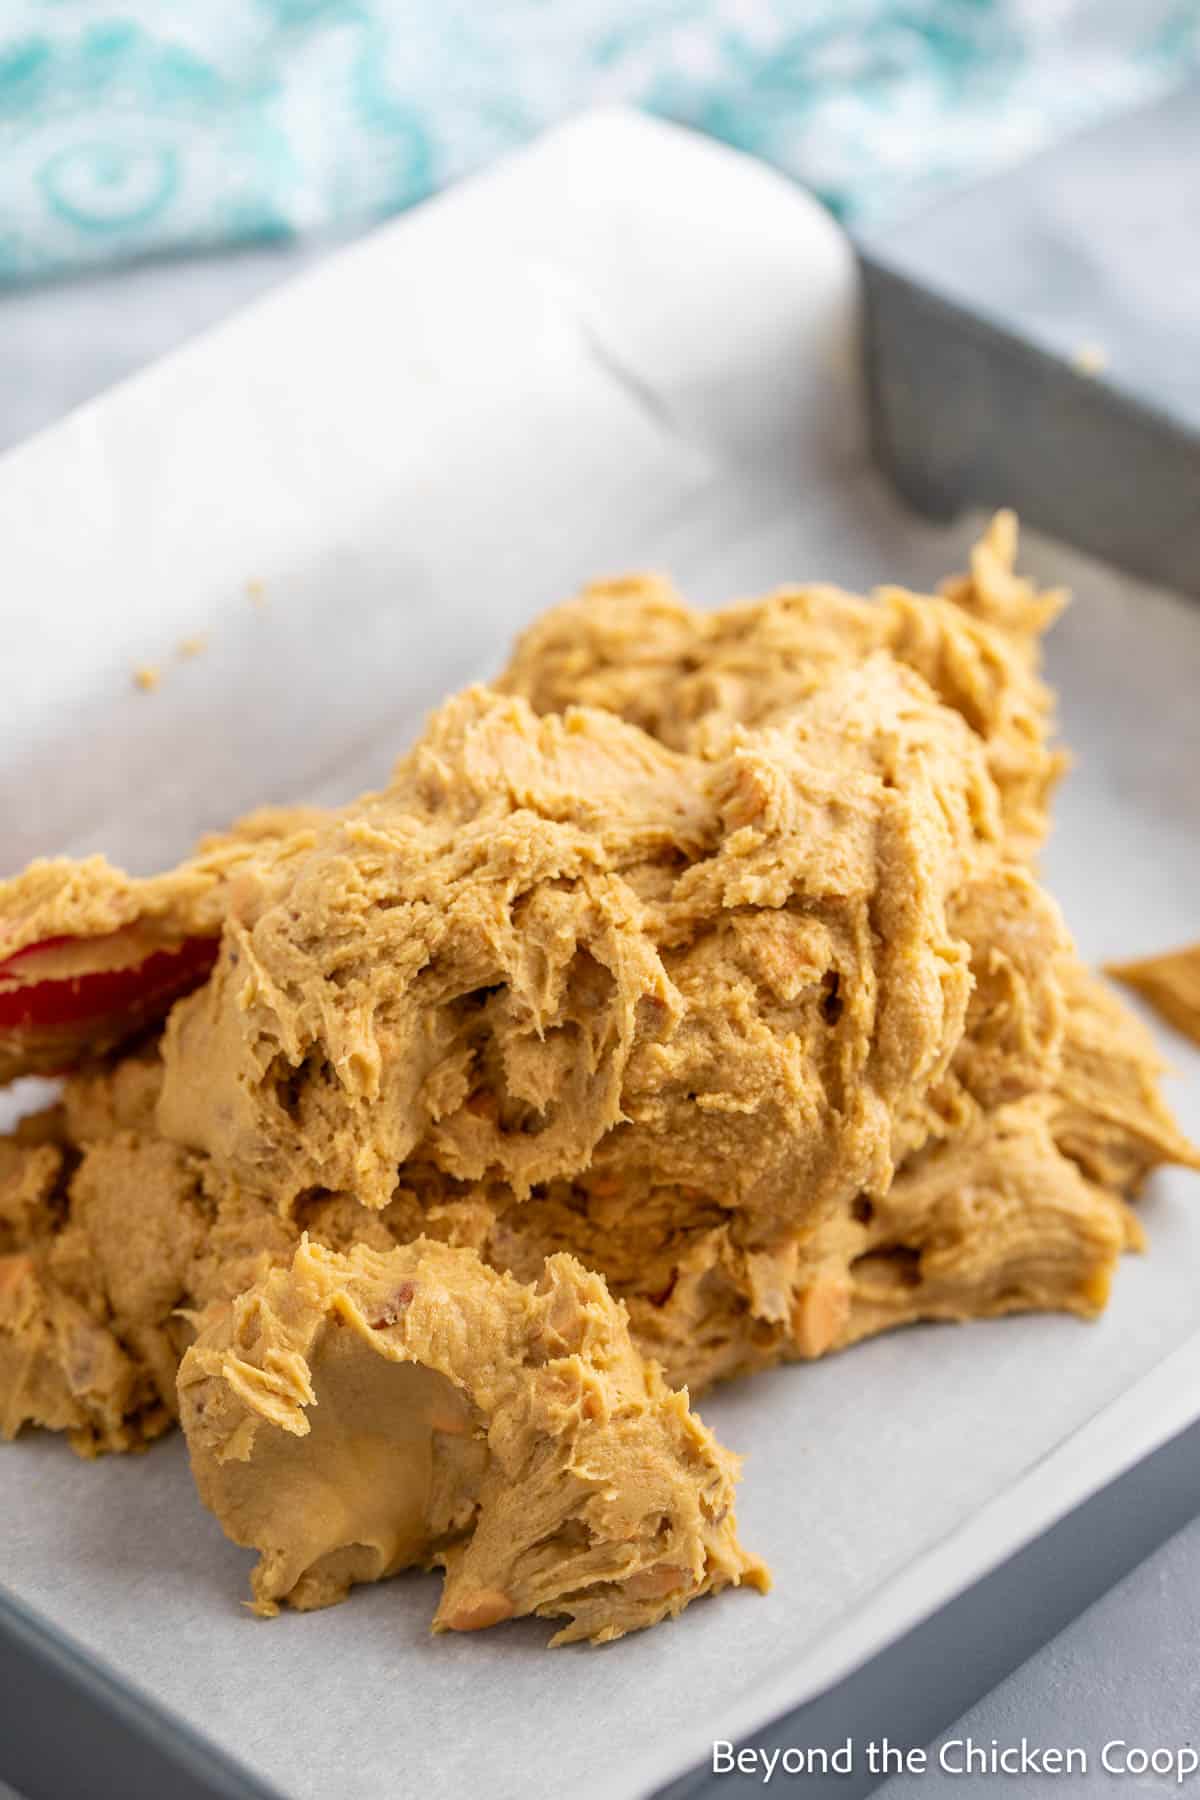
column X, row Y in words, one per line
column 352, row 1416
column 1109, row 1115
column 696, row 989
column 90, row 956
column 59, row 1366
column 554, row 945
column 632, row 647
column 1020, row 1205
column 96, row 1251
column 1045, row 1168
column 1171, row 984
column 111, row 1241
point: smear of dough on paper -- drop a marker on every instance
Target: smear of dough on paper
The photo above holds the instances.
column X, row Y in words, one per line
column 1171, row 983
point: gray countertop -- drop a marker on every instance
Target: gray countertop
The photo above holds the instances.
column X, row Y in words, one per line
column 1127, row 1668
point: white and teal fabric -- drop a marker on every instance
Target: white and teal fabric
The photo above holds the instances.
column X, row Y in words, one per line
column 175, row 124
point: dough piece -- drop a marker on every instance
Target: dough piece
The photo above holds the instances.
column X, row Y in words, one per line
column 90, row 1336
column 633, row 648
column 111, row 1238
column 1171, row 983
column 1109, row 1114
column 1015, row 1203
column 678, row 1008
column 98, row 1241
column 138, row 1219
column 707, row 1295
column 992, row 592
column 106, row 1254
column 1017, row 1013
column 704, row 1296
column 89, row 956
column 60, row 898
column 994, row 1220
column 61, row 1364
column 110, row 1094
column 552, row 943
column 357, row 1415
column 1016, row 1016
column 125, row 1235
column 59, row 1368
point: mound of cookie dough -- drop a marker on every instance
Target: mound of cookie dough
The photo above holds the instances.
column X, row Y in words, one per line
column 553, row 945
column 1021, row 1204
column 685, row 1004
column 112, row 1241
column 632, row 647
column 351, row 1416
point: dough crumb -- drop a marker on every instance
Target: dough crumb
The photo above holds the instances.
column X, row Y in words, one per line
column 147, row 677
column 1170, row 983
column 256, row 592
column 1090, row 359
column 191, row 647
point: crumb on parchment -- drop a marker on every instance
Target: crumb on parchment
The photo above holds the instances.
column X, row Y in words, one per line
column 257, row 592
column 147, row 676
column 191, row 647
column 1089, row 359
column 1169, row 982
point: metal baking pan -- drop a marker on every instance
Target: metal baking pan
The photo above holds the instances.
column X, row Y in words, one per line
column 689, row 436
column 1036, row 340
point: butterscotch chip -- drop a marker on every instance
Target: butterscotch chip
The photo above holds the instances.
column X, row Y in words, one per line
column 820, row 1314
column 475, row 1612
column 650, row 1584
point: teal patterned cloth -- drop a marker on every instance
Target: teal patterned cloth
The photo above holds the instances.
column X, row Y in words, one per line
column 180, row 124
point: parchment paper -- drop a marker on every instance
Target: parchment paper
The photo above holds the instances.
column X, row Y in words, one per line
column 626, row 347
